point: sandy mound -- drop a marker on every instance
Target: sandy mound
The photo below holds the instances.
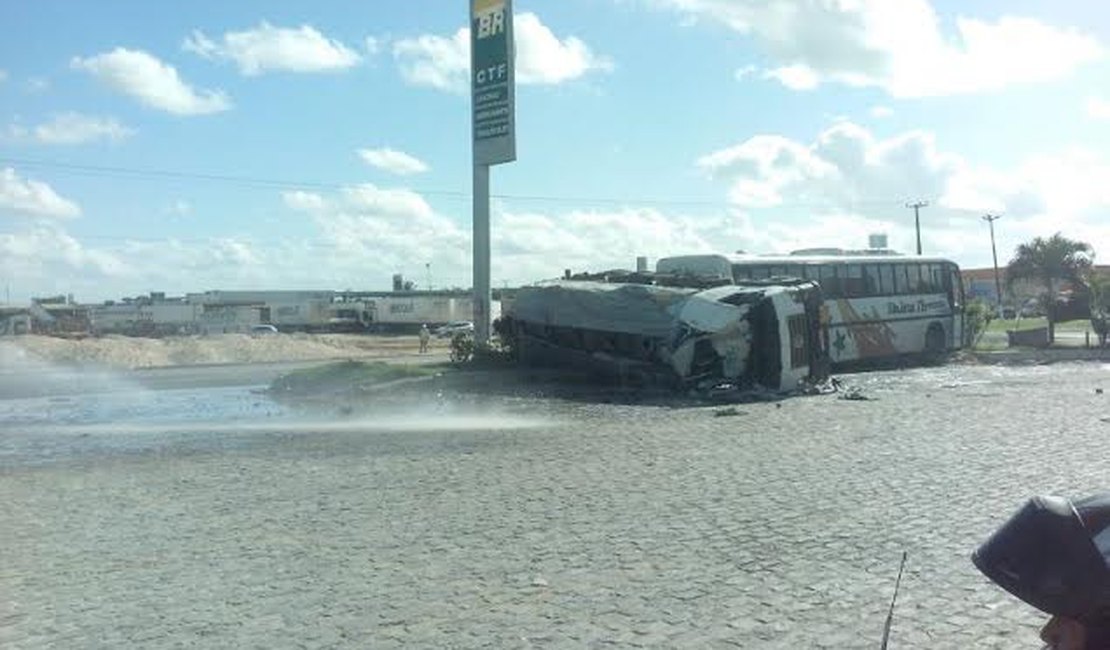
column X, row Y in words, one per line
column 132, row 352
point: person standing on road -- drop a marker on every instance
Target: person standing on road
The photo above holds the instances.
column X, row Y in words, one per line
column 1054, row 554
column 424, row 336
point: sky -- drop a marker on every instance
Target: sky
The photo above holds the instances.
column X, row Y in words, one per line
column 184, row 147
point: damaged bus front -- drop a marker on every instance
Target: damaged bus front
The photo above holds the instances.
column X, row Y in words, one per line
column 762, row 335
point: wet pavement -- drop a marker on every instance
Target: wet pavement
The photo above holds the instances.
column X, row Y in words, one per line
column 213, row 517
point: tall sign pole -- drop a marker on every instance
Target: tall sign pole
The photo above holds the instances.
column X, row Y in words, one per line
column 493, row 130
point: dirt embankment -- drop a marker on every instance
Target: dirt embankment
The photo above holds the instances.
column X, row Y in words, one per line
column 134, row 352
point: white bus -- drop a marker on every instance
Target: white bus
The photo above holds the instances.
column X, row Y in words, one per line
column 876, row 306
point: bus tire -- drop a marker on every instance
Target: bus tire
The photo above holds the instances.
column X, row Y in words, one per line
column 934, row 343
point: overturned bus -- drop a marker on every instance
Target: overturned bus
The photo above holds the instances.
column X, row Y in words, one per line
column 754, row 335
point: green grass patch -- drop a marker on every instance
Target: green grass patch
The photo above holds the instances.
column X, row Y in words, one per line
column 348, row 374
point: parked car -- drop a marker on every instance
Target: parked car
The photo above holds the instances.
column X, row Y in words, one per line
column 453, row 328
column 263, row 330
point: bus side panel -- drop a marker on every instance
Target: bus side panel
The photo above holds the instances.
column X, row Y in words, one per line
column 870, row 328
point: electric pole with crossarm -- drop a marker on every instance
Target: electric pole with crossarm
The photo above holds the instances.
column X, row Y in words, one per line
column 917, row 220
column 990, row 219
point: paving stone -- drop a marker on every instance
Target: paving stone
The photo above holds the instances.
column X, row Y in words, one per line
column 613, row 526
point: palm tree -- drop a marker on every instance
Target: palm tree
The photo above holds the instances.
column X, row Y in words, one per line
column 1046, row 261
column 1099, row 286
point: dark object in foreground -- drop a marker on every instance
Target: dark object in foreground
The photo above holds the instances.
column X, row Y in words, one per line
column 893, row 601
column 1053, row 554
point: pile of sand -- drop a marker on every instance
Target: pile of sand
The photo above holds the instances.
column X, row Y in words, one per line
column 134, row 352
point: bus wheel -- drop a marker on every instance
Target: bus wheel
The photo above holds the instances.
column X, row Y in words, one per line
column 934, row 344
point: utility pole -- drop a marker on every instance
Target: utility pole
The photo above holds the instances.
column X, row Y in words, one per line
column 917, row 219
column 990, row 219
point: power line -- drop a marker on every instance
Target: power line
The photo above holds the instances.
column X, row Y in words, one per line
column 270, row 183
column 125, row 239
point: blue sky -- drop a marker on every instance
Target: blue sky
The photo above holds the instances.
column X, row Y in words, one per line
column 291, row 145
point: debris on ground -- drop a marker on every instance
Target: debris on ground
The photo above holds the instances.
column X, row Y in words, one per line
column 855, row 394
column 824, row 387
column 727, row 412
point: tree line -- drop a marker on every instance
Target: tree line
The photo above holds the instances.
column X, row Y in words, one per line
column 1047, row 263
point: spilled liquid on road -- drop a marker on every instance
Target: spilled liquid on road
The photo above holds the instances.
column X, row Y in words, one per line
column 52, row 413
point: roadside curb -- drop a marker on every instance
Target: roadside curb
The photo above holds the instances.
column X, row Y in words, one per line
column 1037, row 356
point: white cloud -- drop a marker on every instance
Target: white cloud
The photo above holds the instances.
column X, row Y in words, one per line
column 180, row 208
column 33, row 198
column 880, row 112
column 393, row 161
column 435, row 61
column 48, row 260
column 844, row 166
column 268, row 49
column 897, row 45
column 795, row 77
column 542, row 58
column 745, row 71
column 37, row 85
column 152, row 82
column 372, row 231
column 382, row 203
column 847, row 183
column 1098, row 108
column 74, row 128
column 3, row 75
column 528, row 246
column 302, row 201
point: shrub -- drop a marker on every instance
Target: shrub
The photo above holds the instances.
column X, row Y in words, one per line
column 978, row 317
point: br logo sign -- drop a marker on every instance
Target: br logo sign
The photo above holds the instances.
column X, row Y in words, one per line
column 490, row 18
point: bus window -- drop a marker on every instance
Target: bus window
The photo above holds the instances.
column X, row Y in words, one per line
column 740, row 272
column 760, row 273
column 886, row 274
column 793, row 271
column 830, row 284
column 955, row 288
column 778, row 271
column 913, row 281
column 901, row 284
column 809, row 272
column 936, row 271
column 872, row 283
column 926, row 285
column 852, row 281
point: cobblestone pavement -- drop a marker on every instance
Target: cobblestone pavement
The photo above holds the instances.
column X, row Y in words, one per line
column 602, row 525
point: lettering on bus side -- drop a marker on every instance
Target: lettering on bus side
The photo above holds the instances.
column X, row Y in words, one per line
column 917, row 307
